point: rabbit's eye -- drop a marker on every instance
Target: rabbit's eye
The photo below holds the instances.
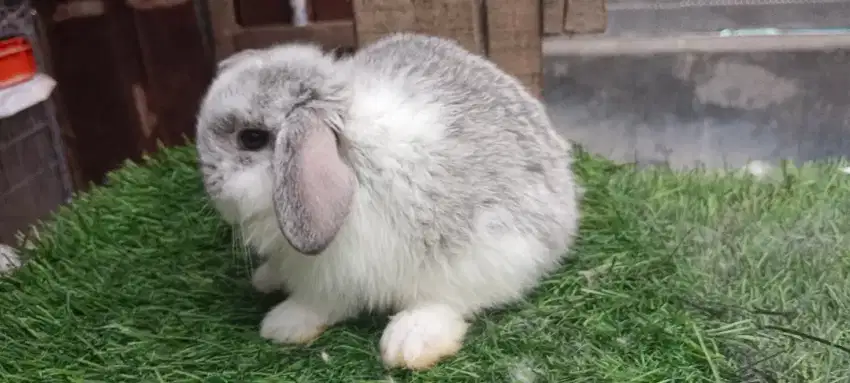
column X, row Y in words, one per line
column 253, row 139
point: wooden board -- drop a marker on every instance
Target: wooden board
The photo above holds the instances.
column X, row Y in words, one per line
column 279, row 12
column 177, row 70
column 553, row 16
column 129, row 78
column 330, row 34
column 460, row 20
column 585, row 16
column 328, row 10
column 514, row 39
column 376, row 18
column 93, row 64
column 224, row 26
column 457, row 19
column 263, row 12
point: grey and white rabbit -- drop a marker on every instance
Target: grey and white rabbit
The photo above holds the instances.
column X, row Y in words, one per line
column 412, row 177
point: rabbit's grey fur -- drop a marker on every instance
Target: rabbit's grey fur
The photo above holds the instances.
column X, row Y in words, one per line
column 428, row 182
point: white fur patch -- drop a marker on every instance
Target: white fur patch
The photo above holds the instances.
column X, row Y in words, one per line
column 523, row 373
column 291, row 322
column 419, row 338
column 9, row 259
column 380, row 108
column 759, row 169
column 266, row 278
column 251, row 190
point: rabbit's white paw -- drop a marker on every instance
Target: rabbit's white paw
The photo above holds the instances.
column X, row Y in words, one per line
column 291, row 322
column 419, row 338
column 266, row 278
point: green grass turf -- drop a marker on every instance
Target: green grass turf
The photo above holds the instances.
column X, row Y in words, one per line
column 677, row 277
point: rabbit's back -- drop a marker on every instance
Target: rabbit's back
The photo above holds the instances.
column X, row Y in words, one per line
column 469, row 89
column 456, row 147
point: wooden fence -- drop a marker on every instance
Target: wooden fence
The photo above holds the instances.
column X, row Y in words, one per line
column 509, row 32
column 131, row 72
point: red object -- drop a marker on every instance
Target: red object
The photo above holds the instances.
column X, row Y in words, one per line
column 17, row 62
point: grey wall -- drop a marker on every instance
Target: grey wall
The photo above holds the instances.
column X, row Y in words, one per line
column 709, row 109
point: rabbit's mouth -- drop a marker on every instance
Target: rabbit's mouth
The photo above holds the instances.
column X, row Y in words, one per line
column 245, row 196
column 228, row 210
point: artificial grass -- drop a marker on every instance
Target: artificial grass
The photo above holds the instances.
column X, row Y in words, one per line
column 676, row 277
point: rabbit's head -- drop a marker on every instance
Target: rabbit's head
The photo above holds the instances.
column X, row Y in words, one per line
column 269, row 143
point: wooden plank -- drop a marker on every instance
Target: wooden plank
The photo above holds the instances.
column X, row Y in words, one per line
column 250, row 13
column 585, row 16
column 133, row 82
column 279, row 12
column 514, row 39
column 330, row 34
column 376, row 18
column 327, row 10
column 457, row 19
column 177, row 72
column 94, row 61
column 223, row 24
column 460, row 20
column 553, row 16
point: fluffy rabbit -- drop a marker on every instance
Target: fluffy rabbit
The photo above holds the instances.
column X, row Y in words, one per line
column 411, row 177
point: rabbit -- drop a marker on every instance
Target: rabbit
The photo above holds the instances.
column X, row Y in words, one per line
column 412, row 178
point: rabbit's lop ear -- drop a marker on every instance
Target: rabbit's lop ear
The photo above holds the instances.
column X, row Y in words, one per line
column 313, row 187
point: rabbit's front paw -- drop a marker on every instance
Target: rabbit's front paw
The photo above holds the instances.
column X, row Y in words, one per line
column 292, row 323
column 266, row 278
column 419, row 338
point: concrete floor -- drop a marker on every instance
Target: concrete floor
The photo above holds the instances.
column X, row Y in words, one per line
column 702, row 101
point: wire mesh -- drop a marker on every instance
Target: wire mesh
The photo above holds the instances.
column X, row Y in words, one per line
column 34, row 177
